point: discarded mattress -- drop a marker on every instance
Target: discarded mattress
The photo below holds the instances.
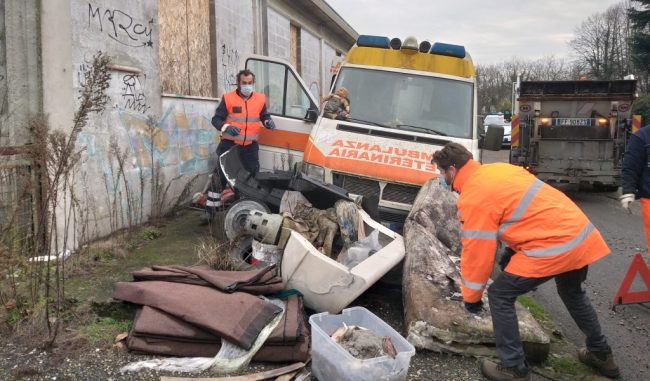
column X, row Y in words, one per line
column 434, row 319
column 157, row 332
column 258, row 282
column 329, row 286
column 238, row 317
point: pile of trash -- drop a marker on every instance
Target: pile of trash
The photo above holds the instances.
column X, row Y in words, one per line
column 300, row 241
column 192, row 311
column 337, row 232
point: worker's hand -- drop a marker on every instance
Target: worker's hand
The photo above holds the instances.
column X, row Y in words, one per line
column 268, row 123
column 474, row 308
column 626, row 200
column 230, row 129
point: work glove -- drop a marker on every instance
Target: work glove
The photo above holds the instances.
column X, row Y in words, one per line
column 626, row 200
column 474, row 308
column 268, row 123
column 230, row 129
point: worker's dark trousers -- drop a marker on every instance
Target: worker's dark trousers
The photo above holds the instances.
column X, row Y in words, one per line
column 507, row 287
column 249, row 156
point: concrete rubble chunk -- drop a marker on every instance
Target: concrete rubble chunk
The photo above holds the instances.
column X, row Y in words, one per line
column 435, row 317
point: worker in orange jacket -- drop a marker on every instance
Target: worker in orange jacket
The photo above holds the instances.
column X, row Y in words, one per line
column 549, row 236
column 239, row 117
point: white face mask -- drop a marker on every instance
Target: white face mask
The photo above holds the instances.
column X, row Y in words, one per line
column 246, row 90
column 443, row 182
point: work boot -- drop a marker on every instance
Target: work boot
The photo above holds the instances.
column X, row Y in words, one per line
column 603, row 362
column 498, row 372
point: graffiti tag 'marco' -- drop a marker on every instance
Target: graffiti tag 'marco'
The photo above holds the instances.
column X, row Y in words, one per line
column 121, row 27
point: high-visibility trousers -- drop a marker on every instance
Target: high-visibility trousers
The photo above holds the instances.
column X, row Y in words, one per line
column 645, row 216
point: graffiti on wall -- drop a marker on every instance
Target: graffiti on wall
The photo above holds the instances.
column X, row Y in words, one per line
column 229, row 67
column 182, row 137
column 132, row 92
column 120, row 26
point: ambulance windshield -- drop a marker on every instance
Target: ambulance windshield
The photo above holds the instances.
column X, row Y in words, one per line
column 409, row 102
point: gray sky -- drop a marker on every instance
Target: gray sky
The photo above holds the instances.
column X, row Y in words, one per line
column 490, row 30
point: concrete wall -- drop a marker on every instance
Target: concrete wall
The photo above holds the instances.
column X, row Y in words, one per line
column 318, row 43
column 234, row 40
column 329, row 60
column 4, row 100
column 310, row 62
column 278, row 35
column 20, row 70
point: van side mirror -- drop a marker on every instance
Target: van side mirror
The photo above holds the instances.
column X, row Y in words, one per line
column 312, row 115
column 493, row 138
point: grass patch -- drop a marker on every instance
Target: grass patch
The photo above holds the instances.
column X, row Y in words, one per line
column 564, row 365
column 535, row 309
column 104, row 330
column 150, row 233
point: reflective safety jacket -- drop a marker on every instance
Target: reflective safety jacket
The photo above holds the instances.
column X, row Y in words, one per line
column 244, row 114
column 636, row 164
column 548, row 232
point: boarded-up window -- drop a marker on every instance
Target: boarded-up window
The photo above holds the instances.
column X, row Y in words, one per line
column 294, row 47
column 185, row 49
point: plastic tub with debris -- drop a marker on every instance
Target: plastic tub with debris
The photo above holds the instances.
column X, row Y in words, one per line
column 328, row 285
column 330, row 361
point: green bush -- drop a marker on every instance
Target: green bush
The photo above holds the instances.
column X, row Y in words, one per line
column 150, row 233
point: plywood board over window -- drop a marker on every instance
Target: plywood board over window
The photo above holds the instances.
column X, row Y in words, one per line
column 294, row 47
column 185, row 47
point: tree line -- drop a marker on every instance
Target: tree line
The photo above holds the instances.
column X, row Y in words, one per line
column 607, row 45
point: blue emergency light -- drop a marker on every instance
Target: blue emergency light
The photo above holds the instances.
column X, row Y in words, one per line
column 448, row 50
column 373, row 41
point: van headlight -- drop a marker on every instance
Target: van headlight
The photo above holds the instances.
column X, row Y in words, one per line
column 314, row 171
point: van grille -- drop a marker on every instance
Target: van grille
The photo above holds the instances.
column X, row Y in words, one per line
column 400, row 193
column 357, row 185
column 392, row 192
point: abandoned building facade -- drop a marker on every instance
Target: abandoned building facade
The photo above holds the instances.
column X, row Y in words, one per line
column 170, row 61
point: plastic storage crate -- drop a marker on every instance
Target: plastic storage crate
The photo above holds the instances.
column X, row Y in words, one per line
column 331, row 362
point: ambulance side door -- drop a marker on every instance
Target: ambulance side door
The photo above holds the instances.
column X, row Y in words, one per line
column 292, row 107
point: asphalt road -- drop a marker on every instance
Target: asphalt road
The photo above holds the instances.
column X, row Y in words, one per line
column 627, row 328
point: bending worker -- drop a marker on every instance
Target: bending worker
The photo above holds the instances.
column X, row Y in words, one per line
column 636, row 175
column 550, row 237
column 239, row 116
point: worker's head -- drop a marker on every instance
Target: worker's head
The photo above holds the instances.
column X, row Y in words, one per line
column 342, row 92
column 450, row 159
column 245, row 82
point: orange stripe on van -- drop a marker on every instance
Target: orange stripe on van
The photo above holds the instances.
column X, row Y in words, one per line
column 378, row 170
column 283, row 139
column 636, row 123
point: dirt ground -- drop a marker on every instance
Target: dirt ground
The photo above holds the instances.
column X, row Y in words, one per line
column 84, row 349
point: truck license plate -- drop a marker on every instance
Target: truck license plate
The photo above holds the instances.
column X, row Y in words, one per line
column 573, row 122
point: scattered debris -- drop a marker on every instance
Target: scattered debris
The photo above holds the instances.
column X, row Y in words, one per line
column 362, row 343
column 51, row 258
column 121, row 337
column 270, row 374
